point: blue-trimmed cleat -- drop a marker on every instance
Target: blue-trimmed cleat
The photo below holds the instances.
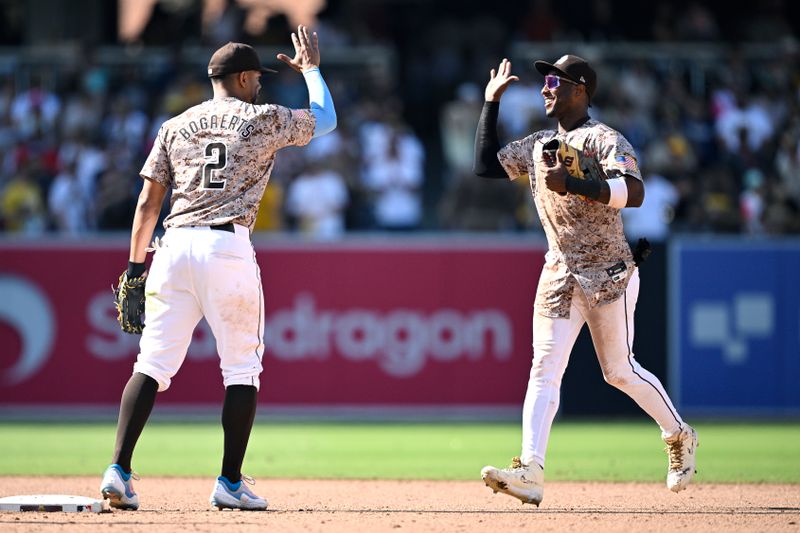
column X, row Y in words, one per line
column 227, row 495
column 117, row 488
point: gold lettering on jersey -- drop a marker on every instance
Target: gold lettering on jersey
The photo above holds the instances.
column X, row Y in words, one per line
column 217, row 122
column 571, row 159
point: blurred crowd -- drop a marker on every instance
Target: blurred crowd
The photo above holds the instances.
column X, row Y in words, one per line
column 718, row 139
column 726, row 160
column 71, row 157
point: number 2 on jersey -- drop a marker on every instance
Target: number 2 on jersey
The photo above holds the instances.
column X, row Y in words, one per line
column 216, row 156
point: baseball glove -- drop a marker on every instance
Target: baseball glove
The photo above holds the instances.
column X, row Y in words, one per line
column 641, row 251
column 129, row 301
column 592, row 169
column 577, row 164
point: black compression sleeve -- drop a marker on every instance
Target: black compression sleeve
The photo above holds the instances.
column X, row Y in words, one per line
column 487, row 144
column 585, row 187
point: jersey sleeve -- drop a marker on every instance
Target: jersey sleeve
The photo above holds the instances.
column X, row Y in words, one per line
column 157, row 167
column 291, row 127
column 516, row 157
column 617, row 157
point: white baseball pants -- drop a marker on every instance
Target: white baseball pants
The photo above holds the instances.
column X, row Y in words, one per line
column 611, row 326
column 202, row 272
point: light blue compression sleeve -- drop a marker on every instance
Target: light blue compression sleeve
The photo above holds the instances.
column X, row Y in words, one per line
column 321, row 102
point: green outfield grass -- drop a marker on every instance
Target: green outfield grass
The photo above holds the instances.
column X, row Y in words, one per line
column 612, row 451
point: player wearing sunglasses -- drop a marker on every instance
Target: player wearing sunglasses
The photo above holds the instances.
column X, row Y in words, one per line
column 581, row 176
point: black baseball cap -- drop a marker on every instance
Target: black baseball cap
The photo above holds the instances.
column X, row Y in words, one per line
column 573, row 68
column 235, row 57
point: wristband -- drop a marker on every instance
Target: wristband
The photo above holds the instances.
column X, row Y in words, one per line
column 135, row 270
column 619, row 193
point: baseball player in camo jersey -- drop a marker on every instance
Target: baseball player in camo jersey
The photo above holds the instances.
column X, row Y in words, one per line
column 216, row 157
column 581, row 176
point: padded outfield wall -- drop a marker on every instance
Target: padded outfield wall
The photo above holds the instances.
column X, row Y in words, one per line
column 434, row 321
column 735, row 326
column 359, row 323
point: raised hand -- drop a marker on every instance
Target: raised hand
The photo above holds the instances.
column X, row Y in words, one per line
column 499, row 82
column 306, row 50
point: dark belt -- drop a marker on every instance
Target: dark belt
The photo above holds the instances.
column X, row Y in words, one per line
column 225, row 227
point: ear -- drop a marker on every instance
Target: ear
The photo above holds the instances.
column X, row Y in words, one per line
column 584, row 89
column 242, row 79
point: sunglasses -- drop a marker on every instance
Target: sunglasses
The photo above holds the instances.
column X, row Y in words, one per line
column 552, row 81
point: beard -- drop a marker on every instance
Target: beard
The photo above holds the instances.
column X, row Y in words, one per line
column 254, row 97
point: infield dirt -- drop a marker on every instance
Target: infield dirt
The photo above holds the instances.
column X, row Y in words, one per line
column 181, row 504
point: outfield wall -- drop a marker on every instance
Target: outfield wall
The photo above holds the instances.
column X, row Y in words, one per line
column 735, row 326
column 371, row 325
column 427, row 322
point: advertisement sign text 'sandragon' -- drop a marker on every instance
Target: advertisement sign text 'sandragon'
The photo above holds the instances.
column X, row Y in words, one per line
column 354, row 326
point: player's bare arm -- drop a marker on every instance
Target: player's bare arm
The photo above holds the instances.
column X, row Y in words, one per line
column 499, row 81
column 306, row 50
column 145, row 218
column 635, row 192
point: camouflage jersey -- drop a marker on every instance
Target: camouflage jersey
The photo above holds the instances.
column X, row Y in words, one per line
column 217, row 158
column 585, row 238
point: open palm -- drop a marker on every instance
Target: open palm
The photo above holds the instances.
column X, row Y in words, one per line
column 499, row 81
column 306, row 50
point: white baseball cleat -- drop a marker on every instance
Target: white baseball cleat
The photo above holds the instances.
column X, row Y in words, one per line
column 681, row 451
column 227, row 495
column 117, row 488
column 524, row 482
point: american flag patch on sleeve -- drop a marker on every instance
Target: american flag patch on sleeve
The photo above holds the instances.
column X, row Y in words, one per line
column 299, row 114
column 626, row 163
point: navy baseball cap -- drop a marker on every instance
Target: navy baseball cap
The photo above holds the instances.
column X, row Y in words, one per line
column 573, row 68
column 235, row 57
